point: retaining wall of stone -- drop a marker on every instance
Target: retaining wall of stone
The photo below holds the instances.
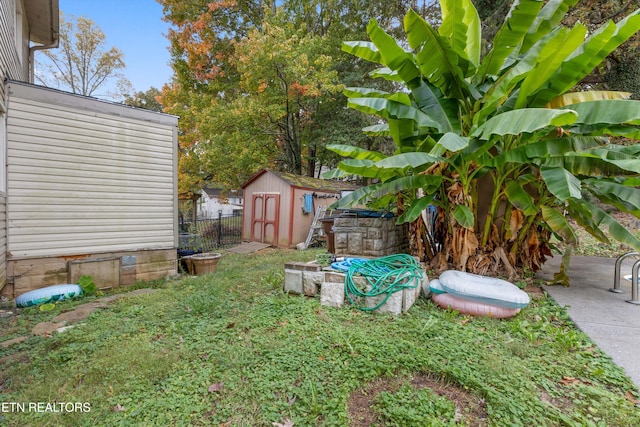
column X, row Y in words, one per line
column 371, row 237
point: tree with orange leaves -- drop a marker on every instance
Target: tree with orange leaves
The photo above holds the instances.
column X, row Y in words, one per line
column 255, row 84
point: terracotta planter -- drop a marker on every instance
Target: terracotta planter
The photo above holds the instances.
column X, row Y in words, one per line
column 202, row 263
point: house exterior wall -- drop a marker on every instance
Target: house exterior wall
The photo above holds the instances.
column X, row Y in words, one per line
column 14, row 64
column 267, row 183
column 87, row 179
column 209, row 207
column 14, row 44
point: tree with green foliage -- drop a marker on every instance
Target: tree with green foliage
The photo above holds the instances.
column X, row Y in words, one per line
column 226, row 117
column 147, row 100
column 498, row 143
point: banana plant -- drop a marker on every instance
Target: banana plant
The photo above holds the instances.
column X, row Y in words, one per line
column 499, row 143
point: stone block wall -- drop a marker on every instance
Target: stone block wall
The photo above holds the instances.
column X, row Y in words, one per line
column 108, row 270
column 370, row 237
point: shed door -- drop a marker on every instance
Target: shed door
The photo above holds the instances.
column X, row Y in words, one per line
column 265, row 217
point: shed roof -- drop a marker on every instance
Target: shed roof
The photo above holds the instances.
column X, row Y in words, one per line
column 307, row 182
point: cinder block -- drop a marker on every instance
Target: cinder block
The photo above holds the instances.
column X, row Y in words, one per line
column 341, row 239
column 374, row 233
column 409, row 297
column 333, row 276
column 354, row 245
column 104, row 271
column 293, row 281
column 310, row 282
column 332, row 294
column 302, row 266
column 393, row 304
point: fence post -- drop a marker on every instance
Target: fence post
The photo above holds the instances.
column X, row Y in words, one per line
column 220, row 228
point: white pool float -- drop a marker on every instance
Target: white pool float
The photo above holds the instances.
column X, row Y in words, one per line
column 489, row 290
column 435, row 287
column 48, row 294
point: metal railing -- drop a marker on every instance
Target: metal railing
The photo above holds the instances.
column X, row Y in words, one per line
column 634, row 277
column 206, row 235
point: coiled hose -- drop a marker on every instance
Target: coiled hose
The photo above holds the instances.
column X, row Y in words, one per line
column 384, row 276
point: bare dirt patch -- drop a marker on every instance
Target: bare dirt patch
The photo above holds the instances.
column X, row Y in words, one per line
column 472, row 410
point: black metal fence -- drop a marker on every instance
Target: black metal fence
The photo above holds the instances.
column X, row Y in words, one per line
column 209, row 234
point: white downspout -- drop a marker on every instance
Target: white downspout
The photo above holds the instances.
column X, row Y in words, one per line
column 53, row 45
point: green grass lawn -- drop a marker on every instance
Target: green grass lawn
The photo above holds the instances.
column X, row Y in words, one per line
column 231, row 349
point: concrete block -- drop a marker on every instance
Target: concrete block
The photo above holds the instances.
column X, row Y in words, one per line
column 105, row 271
column 311, row 280
column 368, row 246
column 374, row 233
column 128, row 270
column 332, row 294
column 424, row 286
column 293, row 281
column 409, row 296
column 333, row 276
column 341, row 238
column 128, row 275
column 393, row 304
column 302, row 266
column 354, row 245
column 345, row 222
column 129, row 260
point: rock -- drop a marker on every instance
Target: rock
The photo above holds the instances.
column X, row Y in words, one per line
column 12, row 341
column 6, row 313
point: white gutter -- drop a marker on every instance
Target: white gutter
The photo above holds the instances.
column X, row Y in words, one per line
column 54, row 44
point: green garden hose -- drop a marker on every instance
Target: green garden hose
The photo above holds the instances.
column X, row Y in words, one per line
column 384, row 276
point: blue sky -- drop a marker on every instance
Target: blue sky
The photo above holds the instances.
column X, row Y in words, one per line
column 137, row 29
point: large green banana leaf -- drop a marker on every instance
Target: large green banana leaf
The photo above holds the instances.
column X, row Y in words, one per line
column 507, row 83
column 439, row 109
column 623, row 197
column 561, row 183
column 363, row 195
column 520, row 198
column 548, row 18
column 606, row 112
column 461, row 25
column 589, row 55
column 365, row 50
column 559, row 224
column 355, row 152
column 451, row 142
column 616, row 230
column 516, row 26
column 392, row 55
column 389, row 109
column 524, row 121
column 550, row 59
column 580, row 211
column 437, row 61
column 415, row 209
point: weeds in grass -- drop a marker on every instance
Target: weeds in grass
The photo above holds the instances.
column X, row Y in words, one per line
column 411, row 407
column 231, row 348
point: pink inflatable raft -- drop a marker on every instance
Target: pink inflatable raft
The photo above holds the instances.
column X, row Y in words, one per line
column 477, row 295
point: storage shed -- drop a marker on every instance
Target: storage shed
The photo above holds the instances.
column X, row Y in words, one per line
column 279, row 207
column 91, row 190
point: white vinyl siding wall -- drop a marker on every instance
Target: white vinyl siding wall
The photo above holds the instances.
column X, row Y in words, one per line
column 10, row 64
column 86, row 176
